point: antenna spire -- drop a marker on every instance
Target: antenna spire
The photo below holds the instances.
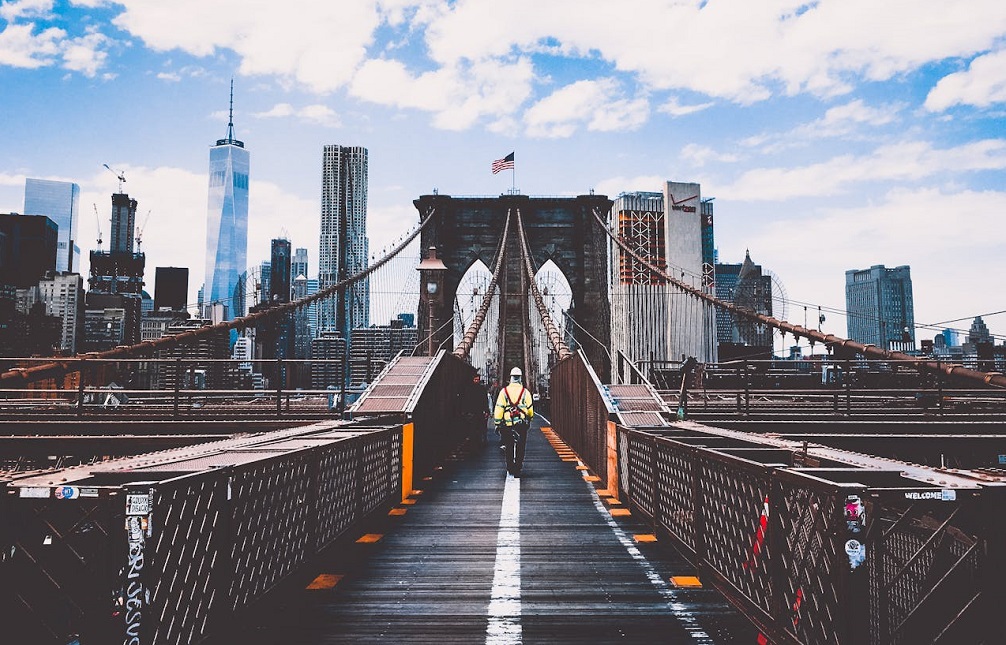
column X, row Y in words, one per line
column 230, row 116
column 230, row 140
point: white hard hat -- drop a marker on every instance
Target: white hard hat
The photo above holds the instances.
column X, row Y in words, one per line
column 516, row 372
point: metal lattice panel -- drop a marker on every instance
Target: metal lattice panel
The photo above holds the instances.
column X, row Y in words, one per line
column 380, row 475
column 640, row 472
column 811, row 564
column 675, row 490
column 923, row 561
column 270, row 525
column 733, row 500
column 191, row 514
column 338, row 489
column 61, row 561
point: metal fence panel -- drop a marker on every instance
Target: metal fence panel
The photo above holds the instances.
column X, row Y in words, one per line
column 580, row 415
column 925, row 574
column 62, row 570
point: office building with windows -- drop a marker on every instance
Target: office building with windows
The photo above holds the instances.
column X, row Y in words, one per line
column 60, row 202
column 63, row 296
column 227, row 225
column 879, row 307
column 343, row 243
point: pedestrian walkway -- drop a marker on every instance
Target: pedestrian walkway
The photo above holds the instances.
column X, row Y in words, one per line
column 477, row 556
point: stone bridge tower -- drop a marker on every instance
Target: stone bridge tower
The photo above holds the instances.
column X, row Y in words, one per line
column 561, row 229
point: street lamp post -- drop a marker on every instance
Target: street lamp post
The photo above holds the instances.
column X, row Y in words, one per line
column 432, row 271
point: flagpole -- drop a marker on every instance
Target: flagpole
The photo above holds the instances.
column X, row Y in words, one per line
column 513, row 180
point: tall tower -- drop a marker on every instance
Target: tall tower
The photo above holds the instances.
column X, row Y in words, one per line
column 880, row 309
column 298, row 265
column 692, row 323
column 344, row 244
column 279, row 278
column 60, row 202
column 227, row 224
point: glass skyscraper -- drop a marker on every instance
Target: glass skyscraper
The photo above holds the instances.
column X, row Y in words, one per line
column 60, row 202
column 343, row 250
column 227, row 224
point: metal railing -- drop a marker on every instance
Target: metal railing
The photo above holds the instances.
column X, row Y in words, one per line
column 827, row 554
column 581, row 411
column 162, row 550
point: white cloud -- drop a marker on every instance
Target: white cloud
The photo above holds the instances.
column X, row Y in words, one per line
column 786, row 45
column 277, row 111
column 911, row 161
column 982, row 84
column 84, row 54
column 674, row 107
column 919, row 228
column 458, row 96
column 855, row 120
column 474, row 48
column 700, row 155
column 317, row 44
column 595, row 104
column 20, row 47
column 11, row 11
column 173, row 77
column 317, row 114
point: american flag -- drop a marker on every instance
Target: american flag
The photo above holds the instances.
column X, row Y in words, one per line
column 506, row 163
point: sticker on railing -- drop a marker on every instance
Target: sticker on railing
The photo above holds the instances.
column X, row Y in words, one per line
column 138, row 504
column 34, row 492
column 944, row 495
column 855, row 514
column 856, row 551
column 66, row 492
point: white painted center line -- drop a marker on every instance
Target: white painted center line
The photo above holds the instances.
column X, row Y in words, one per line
column 504, row 607
column 681, row 611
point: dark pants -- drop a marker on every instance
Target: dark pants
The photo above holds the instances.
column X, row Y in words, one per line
column 514, row 439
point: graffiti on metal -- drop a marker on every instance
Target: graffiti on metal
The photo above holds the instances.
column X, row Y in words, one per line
column 134, row 586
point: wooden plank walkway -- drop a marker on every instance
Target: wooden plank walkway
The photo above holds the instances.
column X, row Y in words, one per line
column 480, row 557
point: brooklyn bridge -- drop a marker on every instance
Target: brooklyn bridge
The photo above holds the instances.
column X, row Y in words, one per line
column 661, row 500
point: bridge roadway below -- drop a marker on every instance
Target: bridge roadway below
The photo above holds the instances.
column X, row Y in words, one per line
column 475, row 555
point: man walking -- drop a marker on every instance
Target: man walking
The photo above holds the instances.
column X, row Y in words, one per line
column 512, row 416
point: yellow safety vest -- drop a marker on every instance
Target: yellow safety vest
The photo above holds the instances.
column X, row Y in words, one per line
column 516, row 394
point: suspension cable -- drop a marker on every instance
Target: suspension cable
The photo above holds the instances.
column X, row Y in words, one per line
column 554, row 337
column 73, row 364
column 994, row 379
column 465, row 346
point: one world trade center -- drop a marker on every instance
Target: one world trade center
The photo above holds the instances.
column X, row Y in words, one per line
column 227, row 227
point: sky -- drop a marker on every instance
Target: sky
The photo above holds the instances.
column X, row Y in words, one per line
column 833, row 135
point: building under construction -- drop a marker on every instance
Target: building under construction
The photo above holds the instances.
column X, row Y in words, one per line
column 116, row 276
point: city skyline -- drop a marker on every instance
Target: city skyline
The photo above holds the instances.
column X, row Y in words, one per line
column 828, row 140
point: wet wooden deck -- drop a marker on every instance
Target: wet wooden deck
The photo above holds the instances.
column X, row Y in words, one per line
column 476, row 556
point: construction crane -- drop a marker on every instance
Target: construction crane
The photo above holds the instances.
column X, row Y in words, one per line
column 97, row 219
column 119, row 175
column 139, row 232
